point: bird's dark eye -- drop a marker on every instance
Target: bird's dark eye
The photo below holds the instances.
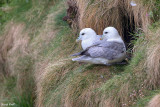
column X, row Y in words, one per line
column 105, row 32
column 83, row 33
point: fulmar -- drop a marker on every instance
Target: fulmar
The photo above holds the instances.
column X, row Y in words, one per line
column 110, row 50
column 88, row 37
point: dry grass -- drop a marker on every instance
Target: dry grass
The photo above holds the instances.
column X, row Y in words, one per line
column 106, row 103
column 15, row 42
column 155, row 101
column 53, row 75
column 54, row 64
column 17, row 64
column 120, row 14
column 45, row 36
column 82, row 89
column 153, row 59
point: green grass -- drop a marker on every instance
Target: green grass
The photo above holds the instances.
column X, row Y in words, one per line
column 54, row 90
column 57, row 91
column 25, row 100
column 154, row 14
column 27, row 61
column 17, row 100
column 17, row 11
column 10, row 83
column 19, row 7
column 59, row 20
column 63, row 35
column 20, row 97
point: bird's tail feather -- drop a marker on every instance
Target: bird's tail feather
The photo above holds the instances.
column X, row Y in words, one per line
column 76, row 59
column 77, row 54
column 79, row 59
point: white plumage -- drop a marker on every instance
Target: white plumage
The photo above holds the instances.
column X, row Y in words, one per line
column 133, row 3
column 88, row 37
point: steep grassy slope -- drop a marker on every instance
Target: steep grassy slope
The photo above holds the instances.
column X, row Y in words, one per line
column 36, row 46
column 17, row 59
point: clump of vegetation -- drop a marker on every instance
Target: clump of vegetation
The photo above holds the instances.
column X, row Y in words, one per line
column 18, row 89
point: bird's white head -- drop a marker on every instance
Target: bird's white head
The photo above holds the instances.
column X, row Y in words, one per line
column 111, row 34
column 86, row 33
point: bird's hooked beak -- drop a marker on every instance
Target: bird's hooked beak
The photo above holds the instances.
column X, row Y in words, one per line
column 78, row 39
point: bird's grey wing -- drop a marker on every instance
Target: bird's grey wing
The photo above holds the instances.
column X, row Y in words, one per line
column 113, row 45
column 84, row 51
column 110, row 51
column 96, row 52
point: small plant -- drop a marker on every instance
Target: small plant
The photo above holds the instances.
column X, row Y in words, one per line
column 24, row 100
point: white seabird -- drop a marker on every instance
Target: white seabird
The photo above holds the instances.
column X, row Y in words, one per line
column 133, row 3
column 110, row 51
column 88, row 37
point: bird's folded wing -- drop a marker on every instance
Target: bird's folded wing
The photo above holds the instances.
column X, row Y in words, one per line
column 109, row 51
column 113, row 45
column 81, row 52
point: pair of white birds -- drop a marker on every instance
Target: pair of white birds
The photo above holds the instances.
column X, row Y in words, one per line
column 107, row 49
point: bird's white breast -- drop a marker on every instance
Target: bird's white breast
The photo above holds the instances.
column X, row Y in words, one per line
column 87, row 43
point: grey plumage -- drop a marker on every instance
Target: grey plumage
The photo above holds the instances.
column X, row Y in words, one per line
column 108, row 50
